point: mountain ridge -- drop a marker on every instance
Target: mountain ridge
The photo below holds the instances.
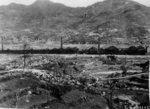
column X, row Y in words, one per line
column 46, row 20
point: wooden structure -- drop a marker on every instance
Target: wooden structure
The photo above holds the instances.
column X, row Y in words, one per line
column 61, row 43
column 2, row 43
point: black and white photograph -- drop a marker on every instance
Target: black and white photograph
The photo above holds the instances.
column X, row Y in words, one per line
column 74, row 54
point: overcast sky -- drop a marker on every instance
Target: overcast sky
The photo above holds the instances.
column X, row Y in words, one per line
column 72, row 3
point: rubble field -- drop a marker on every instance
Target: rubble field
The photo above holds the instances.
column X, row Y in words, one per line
column 74, row 82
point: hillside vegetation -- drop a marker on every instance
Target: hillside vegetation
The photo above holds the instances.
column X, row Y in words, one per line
column 118, row 22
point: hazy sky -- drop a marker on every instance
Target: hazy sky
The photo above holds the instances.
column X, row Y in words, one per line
column 73, row 3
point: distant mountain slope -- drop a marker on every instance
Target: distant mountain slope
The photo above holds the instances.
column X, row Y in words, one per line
column 44, row 20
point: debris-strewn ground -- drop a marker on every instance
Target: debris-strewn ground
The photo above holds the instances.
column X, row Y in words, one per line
column 73, row 82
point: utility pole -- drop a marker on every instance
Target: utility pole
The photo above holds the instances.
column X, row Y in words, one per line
column 148, row 51
column 98, row 45
column 2, row 43
column 61, row 43
column 149, row 80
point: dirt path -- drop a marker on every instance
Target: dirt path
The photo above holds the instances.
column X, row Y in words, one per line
column 126, row 77
column 89, row 55
column 118, row 71
column 124, row 97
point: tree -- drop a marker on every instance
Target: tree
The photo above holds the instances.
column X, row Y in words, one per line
column 109, row 97
column 112, row 86
column 112, row 50
column 132, row 50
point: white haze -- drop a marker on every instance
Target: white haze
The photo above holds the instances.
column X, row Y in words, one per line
column 72, row 3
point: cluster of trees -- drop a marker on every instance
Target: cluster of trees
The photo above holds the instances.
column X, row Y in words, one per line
column 114, row 50
column 133, row 50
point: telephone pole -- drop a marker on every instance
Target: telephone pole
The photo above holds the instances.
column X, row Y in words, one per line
column 98, row 45
column 2, row 43
column 61, row 43
column 148, row 51
column 149, row 79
